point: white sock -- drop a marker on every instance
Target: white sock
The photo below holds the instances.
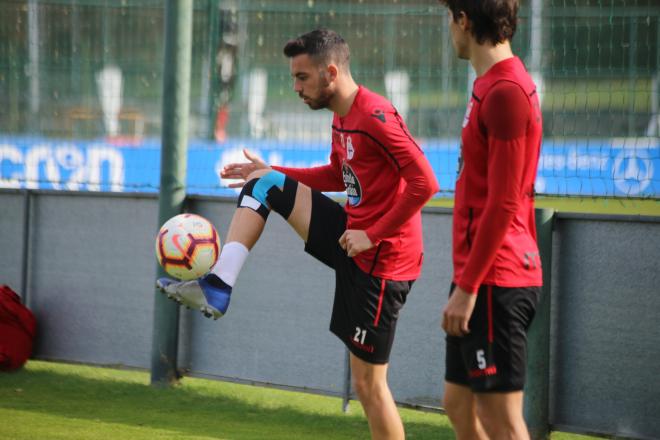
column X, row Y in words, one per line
column 230, row 262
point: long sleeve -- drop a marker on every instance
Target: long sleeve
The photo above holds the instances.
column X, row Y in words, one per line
column 421, row 184
column 323, row 178
column 504, row 116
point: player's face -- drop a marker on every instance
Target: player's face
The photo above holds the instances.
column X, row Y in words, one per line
column 310, row 82
column 458, row 35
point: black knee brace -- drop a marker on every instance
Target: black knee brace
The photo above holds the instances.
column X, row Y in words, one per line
column 273, row 191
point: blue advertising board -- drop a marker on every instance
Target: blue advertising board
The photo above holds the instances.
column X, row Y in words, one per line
column 590, row 167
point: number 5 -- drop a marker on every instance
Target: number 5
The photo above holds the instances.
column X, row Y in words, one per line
column 481, row 359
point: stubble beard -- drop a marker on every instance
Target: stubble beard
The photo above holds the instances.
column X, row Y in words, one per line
column 323, row 100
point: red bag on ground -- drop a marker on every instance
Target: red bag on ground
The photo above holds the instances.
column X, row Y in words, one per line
column 17, row 330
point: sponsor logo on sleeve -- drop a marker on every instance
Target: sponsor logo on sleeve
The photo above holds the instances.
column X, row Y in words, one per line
column 379, row 114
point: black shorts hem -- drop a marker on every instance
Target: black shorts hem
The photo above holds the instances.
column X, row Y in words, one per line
column 359, row 353
column 366, row 308
column 486, row 390
column 497, row 390
column 492, row 357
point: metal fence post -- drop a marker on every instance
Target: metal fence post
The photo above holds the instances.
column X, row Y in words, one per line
column 536, row 406
column 346, row 392
column 27, row 248
column 176, row 98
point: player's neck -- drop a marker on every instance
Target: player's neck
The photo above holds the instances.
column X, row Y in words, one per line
column 345, row 94
column 485, row 56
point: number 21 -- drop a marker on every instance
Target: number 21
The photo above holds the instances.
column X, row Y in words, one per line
column 360, row 334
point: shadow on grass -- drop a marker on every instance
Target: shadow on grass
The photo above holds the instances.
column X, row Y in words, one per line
column 188, row 410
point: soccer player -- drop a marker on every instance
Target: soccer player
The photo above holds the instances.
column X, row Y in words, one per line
column 373, row 242
column 497, row 269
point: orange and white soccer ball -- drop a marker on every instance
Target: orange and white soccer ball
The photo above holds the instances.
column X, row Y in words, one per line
column 187, row 246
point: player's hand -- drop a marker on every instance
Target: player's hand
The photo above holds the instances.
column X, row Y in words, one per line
column 354, row 241
column 457, row 312
column 242, row 170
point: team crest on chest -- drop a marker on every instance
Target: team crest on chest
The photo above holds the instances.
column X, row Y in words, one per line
column 352, row 184
column 347, row 145
column 350, row 151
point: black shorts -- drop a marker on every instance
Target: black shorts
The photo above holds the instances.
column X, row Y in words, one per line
column 493, row 356
column 366, row 308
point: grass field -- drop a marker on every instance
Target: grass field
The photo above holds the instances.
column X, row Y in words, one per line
column 49, row 400
column 586, row 205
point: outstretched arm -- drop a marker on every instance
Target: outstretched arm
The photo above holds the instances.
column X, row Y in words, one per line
column 323, row 178
column 242, row 170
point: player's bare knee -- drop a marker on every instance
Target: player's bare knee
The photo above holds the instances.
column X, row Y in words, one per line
column 363, row 383
column 457, row 407
column 369, row 388
column 498, row 424
column 362, row 387
column 453, row 408
column 487, row 420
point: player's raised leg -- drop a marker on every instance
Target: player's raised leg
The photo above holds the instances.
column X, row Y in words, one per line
column 294, row 204
column 265, row 190
column 370, row 383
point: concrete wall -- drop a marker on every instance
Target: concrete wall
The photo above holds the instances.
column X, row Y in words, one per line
column 606, row 344
column 91, row 268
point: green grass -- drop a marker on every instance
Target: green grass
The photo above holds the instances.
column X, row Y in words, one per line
column 47, row 400
column 597, row 205
column 573, row 94
column 586, row 205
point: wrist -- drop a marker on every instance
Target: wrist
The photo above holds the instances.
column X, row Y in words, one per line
column 372, row 237
column 468, row 289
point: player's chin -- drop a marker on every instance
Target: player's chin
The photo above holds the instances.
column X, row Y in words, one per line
column 314, row 105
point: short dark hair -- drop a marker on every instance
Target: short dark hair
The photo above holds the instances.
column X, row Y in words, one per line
column 322, row 45
column 493, row 20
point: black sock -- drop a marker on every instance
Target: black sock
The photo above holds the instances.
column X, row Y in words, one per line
column 216, row 282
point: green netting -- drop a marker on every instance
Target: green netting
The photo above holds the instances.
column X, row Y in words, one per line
column 596, row 62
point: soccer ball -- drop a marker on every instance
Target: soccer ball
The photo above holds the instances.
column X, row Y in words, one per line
column 187, row 246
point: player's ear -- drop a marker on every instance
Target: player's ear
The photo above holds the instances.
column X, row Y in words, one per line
column 463, row 21
column 331, row 72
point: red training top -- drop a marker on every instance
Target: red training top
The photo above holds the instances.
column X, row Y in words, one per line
column 387, row 179
column 494, row 233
